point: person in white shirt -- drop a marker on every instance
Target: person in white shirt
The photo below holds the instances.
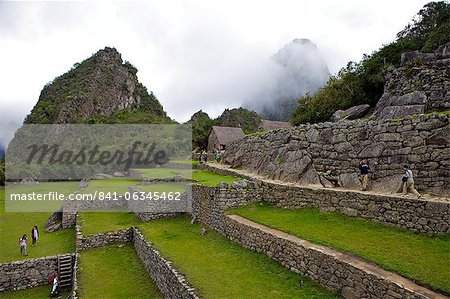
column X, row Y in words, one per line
column 408, row 182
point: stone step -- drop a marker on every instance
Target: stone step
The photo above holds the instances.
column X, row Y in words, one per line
column 65, row 270
column 352, row 276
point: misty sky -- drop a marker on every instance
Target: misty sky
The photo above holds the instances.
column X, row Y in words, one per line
column 192, row 54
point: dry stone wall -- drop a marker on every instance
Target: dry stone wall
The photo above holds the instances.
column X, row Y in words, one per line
column 102, row 239
column 423, row 216
column 335, row 270
column 169, row 281
column 300, row 153
column 421, row 85
column 27, row 273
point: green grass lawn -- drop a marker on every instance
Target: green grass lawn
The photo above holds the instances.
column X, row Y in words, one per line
column 209, row 178
column 161, row 173
column 114, row 271
column 102, row 222
column 116, row 185
column 33, row 293
column 62, row 188
column 14, row 225
column 421, row 258
column 218, row 268
column 181, row 161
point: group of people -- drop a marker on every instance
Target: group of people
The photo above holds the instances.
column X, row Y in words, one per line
column 407, row 184
column 23, row 240
column 218, row 153
column 203, row 157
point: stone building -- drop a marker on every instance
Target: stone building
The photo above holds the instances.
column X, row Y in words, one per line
column 220, row 137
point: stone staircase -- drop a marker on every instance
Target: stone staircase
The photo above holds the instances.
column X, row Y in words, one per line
column 65, row 271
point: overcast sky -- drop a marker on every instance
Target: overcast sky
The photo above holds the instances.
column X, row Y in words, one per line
column 193, row 55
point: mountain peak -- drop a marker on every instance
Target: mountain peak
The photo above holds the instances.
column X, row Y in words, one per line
column 100, row 89
column 302, row 41
column 108, row 54
column 298, row 68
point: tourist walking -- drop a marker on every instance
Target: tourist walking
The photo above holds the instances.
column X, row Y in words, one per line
column 363, row 174
column 205, row 156
column 23, row 244
column 34, row 235
column 408, row 182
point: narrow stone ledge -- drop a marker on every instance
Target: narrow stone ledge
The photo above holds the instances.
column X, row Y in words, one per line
column 431, row 217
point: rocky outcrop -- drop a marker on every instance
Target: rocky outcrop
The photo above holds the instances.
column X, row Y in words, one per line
column 352, row 113
column 420, row 85
column 296, row 155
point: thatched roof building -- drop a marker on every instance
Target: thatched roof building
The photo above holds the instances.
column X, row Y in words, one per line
column 269, row 125
column 220, row 137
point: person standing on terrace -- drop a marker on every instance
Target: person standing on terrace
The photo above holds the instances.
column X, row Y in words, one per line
column 364, row 174
column 408, row 182
column 23, row 244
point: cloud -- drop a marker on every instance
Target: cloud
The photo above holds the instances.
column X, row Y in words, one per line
column 193, row 54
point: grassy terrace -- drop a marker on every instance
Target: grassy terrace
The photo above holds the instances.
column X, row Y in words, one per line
column 209, row 178
column 218, row 268
column 102, row 222
column 114, row 272
column 34, row 293
column 161, row 173
column 14, row 225
column 204, row 177
column 117, row 185
column 421, row 258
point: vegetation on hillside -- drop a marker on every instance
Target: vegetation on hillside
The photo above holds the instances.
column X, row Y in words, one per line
column 201, row 123
column 363, row 82
column 90, row 93
column 246, row 119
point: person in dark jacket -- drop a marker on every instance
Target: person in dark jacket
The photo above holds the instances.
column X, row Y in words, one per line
column 364, row 174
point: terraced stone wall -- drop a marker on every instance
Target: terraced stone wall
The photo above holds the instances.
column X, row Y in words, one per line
column 301, row 153
column 325, row 266
column 429, row 217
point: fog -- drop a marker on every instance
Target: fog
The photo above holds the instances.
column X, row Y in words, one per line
column 295, row 70
column 193, row 55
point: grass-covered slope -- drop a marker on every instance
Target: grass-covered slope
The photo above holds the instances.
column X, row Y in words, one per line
column 114, row 271
column 218, row 268
column 416, row 256
column 14, row 225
